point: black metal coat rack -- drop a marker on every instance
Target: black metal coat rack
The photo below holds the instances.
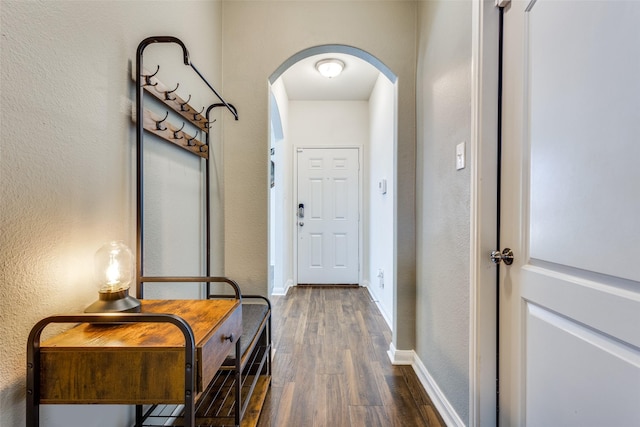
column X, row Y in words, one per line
column 161, row 127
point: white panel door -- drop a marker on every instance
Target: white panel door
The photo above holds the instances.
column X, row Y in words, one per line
column 570, row 302
column 328, row 215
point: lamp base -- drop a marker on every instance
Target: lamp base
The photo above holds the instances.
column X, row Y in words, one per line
column 118, row 302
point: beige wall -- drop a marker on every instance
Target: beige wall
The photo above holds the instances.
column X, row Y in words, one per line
column 258, row 37
column 67, row 164
column 443, row 198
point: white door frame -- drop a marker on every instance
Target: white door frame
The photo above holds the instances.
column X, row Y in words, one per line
column 483, row 227
column 294, row 209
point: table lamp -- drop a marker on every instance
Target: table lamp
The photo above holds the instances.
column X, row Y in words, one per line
column 114, row 270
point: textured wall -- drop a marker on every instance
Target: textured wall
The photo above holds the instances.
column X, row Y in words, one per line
column 258, row 37
column 66, row 160
column 443, row 197
column 381, row 215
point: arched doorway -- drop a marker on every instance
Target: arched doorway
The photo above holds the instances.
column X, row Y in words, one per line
column 354, row 110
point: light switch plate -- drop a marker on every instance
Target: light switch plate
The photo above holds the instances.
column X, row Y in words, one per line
column 460, row 149
column 382, row 186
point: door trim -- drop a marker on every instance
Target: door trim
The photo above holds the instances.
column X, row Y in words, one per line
column 294, row 223
column 483, row 229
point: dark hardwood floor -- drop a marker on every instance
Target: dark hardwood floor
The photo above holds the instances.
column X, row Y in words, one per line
column 331, row 366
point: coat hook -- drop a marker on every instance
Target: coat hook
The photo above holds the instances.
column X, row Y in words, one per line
column 185, row 103
column 190, row 140
column 208, row 124
column 195, row 116
column 167, row 92
column 176, row 132
column 159, row 123
column 204, row 148
column 147, row 78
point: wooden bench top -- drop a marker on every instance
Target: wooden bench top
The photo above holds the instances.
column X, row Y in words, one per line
column 204, row 316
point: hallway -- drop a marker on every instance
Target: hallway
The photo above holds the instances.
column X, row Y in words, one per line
column 331, row 366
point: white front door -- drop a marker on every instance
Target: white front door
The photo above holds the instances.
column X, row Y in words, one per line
column 570, row 303
column 328, row 215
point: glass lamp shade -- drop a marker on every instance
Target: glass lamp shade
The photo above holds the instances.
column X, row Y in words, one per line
column 330, row 68
column 114, row 272
column 113, row 267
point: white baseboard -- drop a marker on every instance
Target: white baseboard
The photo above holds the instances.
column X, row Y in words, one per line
column 288, row 286
column 446, row 411
column 400, row 357
column 381, row 309
column 282, row 290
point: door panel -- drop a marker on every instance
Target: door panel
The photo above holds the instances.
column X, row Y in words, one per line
column 340, row 248
column 570, row 303
column 562, row 381
column 315, row 250
column 315, row 200
column 341, row 199
column 328, row 234
column 585, row 122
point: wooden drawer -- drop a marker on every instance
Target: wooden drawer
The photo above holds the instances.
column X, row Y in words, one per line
column 215, row 350
column 137, row 363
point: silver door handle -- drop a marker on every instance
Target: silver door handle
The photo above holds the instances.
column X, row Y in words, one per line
column 506, row 255
column 301, row 223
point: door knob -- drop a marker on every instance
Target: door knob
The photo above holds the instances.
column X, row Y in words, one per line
column 506, row 255
column 301, row 223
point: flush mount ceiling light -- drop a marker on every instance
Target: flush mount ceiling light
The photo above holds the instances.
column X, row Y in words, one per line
column 330, row 68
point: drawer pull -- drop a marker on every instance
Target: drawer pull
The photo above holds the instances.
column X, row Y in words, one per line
column 229, row 337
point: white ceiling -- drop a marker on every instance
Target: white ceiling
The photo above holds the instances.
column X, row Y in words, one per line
column 303, row 82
